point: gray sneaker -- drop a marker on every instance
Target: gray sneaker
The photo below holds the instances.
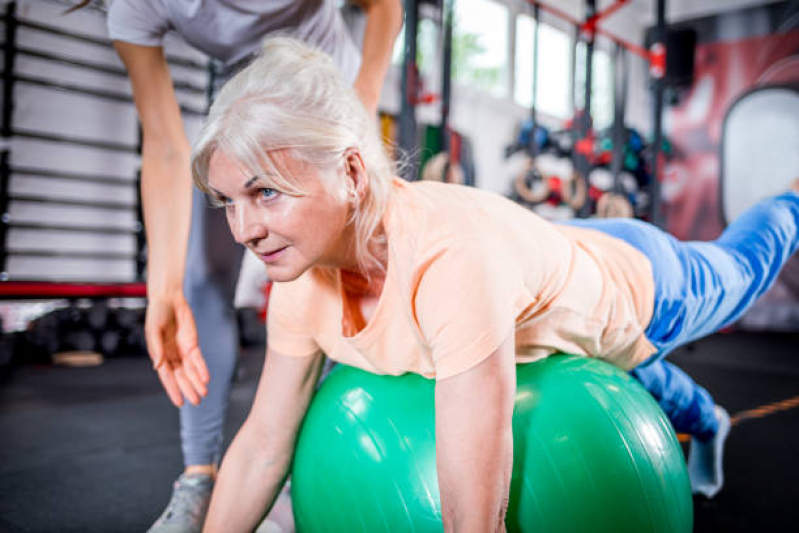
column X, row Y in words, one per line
column 187, row 507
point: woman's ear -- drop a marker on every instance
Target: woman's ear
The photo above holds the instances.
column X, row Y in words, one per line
column 356, row 176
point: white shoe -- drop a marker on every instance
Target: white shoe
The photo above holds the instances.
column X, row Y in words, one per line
column 705, row 459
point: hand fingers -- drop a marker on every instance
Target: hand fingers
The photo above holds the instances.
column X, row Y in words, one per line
column 170, row 385
column 155, row 348
column 186, row 386
column 197, row 362
column 193, row 373
column 162, row 346
column 189, row 346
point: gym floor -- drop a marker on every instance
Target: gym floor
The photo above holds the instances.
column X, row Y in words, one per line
column 96, row 449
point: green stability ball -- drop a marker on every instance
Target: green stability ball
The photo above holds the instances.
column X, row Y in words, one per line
column 592, row 452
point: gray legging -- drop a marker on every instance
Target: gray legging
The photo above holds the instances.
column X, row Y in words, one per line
column 213, row 261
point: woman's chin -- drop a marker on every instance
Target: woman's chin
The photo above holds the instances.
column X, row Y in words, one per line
column 282, row 274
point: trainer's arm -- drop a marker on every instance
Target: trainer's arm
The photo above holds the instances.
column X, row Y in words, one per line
column 383, row 23
column 257, row 462
column 166, row 201
column 474, row 443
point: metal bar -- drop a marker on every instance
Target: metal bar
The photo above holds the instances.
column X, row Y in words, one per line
column 50, row 174
column 29, row 24
column 408, row 89
column 73, row 203
column 107, row 69
column 573, row 80
column 91, row 143
column 448, row 8
column 656, row 215
column 590, row 8
column 533, row 149
column 619, row 108
column 54, row 254
column 590, row 23
column 632, row 47
column 9, row 57
column 4, row 179
column 179, row 61
column 581, row 163
column 178, row 85
column 108, row 95
column 47, row 289
column 105, row 230
column 556, row 12
column 99, row 93
column 141, row 235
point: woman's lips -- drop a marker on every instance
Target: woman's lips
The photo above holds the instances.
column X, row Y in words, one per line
column 273, row 256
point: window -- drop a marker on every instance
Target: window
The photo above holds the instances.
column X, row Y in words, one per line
column 480, row 45
column 426, row 46
column 601, row 86
column 554, row 68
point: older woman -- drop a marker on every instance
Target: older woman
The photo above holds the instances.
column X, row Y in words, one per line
column 181, row 230
column 453, row 283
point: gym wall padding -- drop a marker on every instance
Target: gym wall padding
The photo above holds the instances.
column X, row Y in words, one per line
column 38, row 195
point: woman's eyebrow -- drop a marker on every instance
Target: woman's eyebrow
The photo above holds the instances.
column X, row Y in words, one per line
column 251, row 181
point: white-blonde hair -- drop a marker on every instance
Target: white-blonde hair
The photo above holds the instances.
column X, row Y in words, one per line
column 292, row 97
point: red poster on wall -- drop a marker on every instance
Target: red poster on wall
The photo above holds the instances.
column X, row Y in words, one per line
column 738, row 54
column 724, row 71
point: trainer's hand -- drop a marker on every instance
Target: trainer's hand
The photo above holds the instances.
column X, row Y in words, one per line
column 171, row 337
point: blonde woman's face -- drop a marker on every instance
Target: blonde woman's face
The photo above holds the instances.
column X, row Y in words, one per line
column 290, row 234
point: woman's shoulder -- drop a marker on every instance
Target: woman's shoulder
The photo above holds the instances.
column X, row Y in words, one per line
column 443, row 225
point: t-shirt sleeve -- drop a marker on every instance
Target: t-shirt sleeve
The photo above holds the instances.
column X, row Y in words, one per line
column 466, row 305
column 137, row 21
column 287, row 332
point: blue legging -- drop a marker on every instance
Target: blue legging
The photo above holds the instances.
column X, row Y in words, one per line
column 213, row 260
column 701, row 287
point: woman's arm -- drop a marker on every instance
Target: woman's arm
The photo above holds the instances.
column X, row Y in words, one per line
column 257, row 462
column 383, row 23
column 166, row 200
column 474, row 443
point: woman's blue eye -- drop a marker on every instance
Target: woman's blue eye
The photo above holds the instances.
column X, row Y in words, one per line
column 266, row 193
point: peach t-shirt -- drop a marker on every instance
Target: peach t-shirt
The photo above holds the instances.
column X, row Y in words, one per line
column 467, row 268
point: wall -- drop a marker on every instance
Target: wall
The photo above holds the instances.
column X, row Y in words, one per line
column 41, row 198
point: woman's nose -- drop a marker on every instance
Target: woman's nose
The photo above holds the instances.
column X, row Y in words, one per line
column 249, row 225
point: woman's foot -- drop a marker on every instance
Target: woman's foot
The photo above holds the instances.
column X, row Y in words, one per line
column 705, row 468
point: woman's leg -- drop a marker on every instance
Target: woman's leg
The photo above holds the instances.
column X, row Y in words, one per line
column 729, row 274
column 689, row 406
column 701, row 287
column 212, row 266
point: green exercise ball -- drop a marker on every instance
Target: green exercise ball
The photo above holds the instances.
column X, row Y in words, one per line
column 593, row 452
